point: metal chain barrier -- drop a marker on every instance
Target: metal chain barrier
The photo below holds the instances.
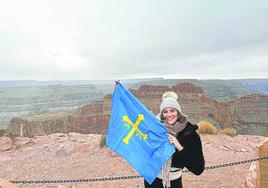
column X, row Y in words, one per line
column 125, row 177
column 74, row 180
column 232, row 164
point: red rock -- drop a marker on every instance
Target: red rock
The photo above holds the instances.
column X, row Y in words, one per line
column 6, row 184
column 6, row 144
column 251, row 176
column 49, row 160
column 241, row 113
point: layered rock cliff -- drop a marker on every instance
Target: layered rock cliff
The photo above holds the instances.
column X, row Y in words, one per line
column 26, row 101
column 247, row 114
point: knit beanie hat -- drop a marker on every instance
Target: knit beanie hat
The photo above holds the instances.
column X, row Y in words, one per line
column 170, row 100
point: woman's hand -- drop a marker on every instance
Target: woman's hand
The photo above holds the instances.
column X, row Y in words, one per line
column 173, row 140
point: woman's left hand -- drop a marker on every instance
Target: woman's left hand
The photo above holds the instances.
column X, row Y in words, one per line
column 173, row 140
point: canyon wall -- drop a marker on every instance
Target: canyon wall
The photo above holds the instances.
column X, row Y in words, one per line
column 248, row 114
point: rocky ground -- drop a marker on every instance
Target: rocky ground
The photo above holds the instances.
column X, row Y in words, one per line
column 79, row 156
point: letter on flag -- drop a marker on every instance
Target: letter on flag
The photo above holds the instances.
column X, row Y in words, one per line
column 137, row 135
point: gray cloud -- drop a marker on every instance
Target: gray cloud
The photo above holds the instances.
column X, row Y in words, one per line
column 106, row 40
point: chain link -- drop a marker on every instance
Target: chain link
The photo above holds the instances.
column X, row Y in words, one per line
column 73, row 181
column 232, row 164
column 125, row 177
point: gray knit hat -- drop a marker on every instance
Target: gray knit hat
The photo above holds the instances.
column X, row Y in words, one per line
column 170, row 100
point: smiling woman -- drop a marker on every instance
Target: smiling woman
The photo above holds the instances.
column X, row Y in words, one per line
column 186, row 141
column 170, row 115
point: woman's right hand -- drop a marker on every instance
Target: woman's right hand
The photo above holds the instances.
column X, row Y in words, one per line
column 173, row 140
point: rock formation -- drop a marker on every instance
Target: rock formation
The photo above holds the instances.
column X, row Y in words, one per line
column 247, row 114
column 79, row 156
column 6, row 184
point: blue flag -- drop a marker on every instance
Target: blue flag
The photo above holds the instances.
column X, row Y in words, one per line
column 137, row 135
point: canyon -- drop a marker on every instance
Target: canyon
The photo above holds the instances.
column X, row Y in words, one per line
column 247, row 114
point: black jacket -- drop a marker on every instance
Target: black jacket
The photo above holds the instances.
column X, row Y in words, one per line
column 191, row 156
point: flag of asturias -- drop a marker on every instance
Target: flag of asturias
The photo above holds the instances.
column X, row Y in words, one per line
column 137, row 135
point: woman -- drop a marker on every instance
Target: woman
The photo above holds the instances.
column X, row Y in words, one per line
column 187, row 144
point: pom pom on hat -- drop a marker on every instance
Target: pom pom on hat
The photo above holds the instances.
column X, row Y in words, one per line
column 170, row 100
column 170, row 94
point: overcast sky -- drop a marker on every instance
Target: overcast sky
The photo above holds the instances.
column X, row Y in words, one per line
column 105, row 39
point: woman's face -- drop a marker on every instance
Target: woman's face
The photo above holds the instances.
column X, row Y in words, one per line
column 170, row 115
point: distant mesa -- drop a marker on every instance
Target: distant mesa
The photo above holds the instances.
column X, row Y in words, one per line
column 246, row 114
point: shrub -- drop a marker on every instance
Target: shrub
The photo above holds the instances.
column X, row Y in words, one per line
column 2, row 133
column 103, row 141
column 205, row 127
column 7, row 132
column 230, row 132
